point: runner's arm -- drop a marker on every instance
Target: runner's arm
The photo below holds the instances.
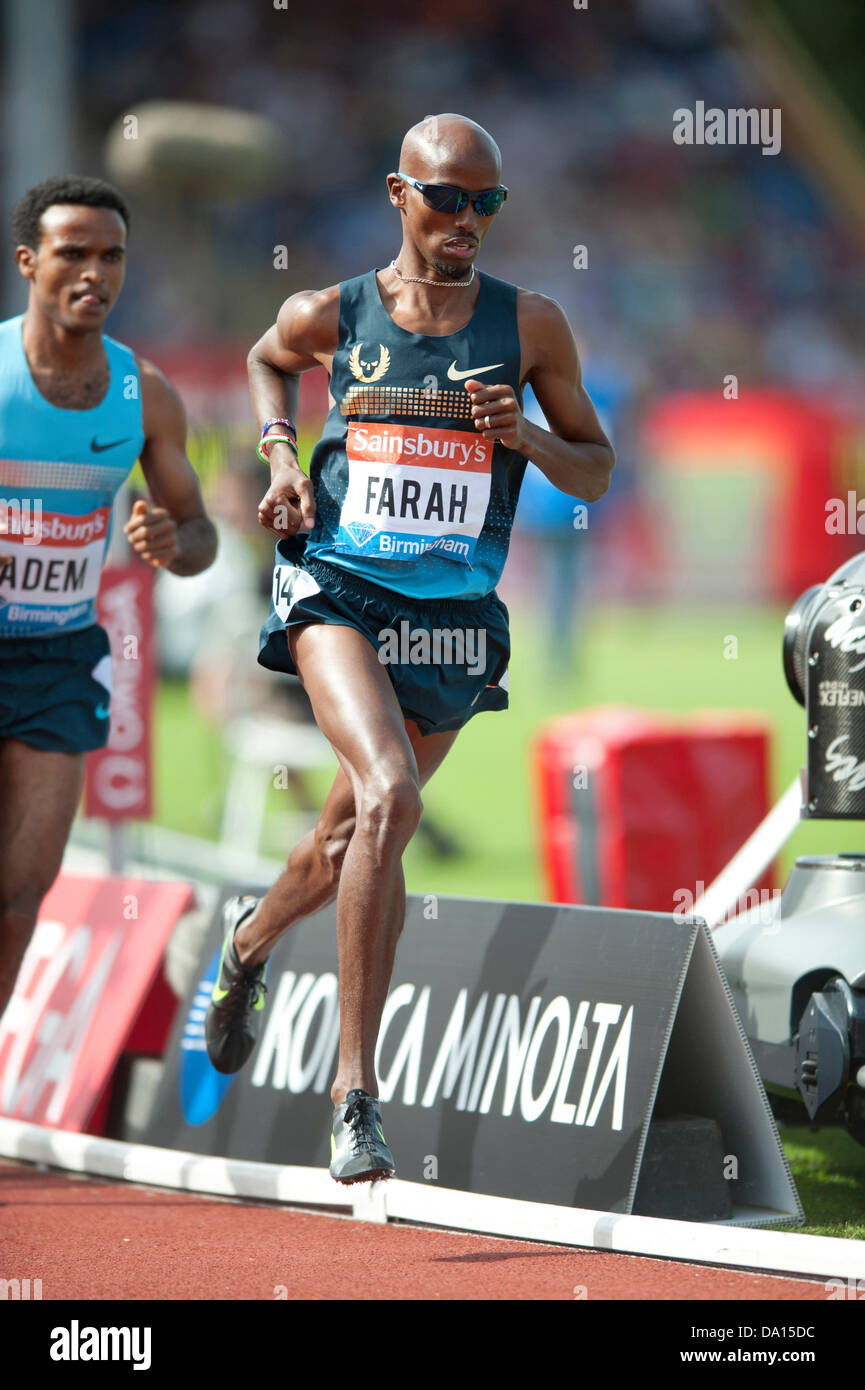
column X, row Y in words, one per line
column 305, row 335
column 175, row 533
column 574, row 453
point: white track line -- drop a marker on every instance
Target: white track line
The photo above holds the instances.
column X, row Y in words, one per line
column 695, row 1241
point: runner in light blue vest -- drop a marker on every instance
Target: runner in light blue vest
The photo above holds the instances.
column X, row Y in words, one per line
column 76, row 411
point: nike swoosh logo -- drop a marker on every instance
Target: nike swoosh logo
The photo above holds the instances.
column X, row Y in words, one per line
column 217, row 992
column 100, row 448
column 102, row 711
column 456, row 375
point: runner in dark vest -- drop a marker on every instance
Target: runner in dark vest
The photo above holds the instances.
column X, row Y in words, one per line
column 384, row 599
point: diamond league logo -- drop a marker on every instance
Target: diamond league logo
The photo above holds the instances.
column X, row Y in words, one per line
column 201, row 1087
column 360, row 531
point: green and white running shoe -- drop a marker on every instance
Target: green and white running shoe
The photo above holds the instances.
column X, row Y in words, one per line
column 233, row 1019
column 357, row 1145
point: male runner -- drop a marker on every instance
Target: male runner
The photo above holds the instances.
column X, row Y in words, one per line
column 411, row 497
column 76, row 411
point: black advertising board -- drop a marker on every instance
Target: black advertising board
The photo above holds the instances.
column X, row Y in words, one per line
column 521, row 1052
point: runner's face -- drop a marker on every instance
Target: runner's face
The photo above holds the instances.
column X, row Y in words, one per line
column 449, row 241
column 77, row 272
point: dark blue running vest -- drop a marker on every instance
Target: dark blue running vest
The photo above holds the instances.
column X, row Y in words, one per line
column 408, row 493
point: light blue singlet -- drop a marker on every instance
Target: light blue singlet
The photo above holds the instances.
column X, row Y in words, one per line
column 59, row 473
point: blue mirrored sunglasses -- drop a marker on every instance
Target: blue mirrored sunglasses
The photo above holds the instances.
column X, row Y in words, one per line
column 445, row 197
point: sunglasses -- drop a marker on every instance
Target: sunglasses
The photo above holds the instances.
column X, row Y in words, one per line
column 444, row 197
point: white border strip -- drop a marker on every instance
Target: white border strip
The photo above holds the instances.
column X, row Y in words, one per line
column 755, row 855
column 703, row 1243
column 221, row 1177
column 700, row 1242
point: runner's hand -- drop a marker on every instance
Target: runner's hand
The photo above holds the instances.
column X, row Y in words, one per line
column 152, row 533
column 507, row 422
column 289, row 502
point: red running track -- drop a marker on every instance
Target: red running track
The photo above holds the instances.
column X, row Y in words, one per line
column 92, row 1239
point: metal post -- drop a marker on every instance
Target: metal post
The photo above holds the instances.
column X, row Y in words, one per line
column 39, row 109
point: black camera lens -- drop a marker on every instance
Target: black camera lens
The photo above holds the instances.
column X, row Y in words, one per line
column 797, row 625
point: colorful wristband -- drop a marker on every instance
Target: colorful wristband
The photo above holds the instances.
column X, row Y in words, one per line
column 278, row 420
column 275, row 439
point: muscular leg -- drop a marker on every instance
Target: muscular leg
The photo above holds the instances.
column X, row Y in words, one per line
column 40, row 795
column 310, row 879
column 356, row 849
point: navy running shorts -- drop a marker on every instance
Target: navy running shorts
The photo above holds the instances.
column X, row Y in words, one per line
column 447, row 658
column 55, row 691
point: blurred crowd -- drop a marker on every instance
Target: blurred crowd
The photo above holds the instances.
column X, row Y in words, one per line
column 700, row 260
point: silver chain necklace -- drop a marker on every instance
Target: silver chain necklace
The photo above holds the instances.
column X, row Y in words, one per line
column 448, row 284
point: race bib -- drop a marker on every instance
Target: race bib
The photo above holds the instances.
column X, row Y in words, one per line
column 50, row 566
column 413, row 490
column 290, row 583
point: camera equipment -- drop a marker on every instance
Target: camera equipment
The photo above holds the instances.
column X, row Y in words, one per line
column 796, row 966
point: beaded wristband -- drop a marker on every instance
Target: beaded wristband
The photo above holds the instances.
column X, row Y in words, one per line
column 275, row 439
column 278, row 420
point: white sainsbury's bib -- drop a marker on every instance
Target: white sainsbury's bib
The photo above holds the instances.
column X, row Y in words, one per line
column 413, row 489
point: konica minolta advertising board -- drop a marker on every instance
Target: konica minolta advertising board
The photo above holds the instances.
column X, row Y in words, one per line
column 520, row 1054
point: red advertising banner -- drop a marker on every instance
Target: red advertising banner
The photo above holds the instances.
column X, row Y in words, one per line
column 748, row 498
column 94, row 957
column 118, row 784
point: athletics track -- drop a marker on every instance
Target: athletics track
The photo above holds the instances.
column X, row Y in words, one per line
column 96, row 1240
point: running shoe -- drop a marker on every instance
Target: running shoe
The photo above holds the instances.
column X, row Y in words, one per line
column 233, row 1018
column 357, row 1145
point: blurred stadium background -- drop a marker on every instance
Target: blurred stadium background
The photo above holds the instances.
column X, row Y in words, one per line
column 702, row 263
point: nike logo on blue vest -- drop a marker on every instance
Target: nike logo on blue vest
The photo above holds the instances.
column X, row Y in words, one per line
column 100, row 448
column 456, row 375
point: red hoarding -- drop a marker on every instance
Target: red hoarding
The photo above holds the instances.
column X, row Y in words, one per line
column 119, row 777
column 94, row 956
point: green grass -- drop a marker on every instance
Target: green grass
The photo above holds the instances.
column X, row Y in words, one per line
column 660, row 659
column 829, row 1170
column 656, row 659
column 191, row 765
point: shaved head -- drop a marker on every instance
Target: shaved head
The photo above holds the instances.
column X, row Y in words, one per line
column 438, row 144
column 445, row 149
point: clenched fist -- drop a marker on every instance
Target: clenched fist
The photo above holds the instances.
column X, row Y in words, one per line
column 289, row 502
column 152, row 533
column 496, row 414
